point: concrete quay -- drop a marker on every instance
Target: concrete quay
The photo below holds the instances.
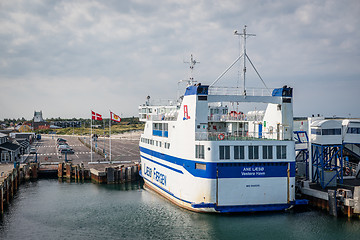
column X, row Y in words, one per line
column 108, row 173
column 343, row 199
column 80, row 166
column 48, row 162
column 11, row 177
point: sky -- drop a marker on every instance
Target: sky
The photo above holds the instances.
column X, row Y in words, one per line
column 69, row 57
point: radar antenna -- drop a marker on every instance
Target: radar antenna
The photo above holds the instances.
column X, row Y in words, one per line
column 244, row 55
column 192, row 63
column 191, row 80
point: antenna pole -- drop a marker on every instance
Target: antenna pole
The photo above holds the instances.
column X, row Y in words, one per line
column 244, row 54
column 192, row 65
column 244, row 35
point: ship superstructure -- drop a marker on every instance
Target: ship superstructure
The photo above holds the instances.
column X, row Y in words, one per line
column 204, row 155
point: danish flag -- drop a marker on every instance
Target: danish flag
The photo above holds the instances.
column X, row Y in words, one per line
column 96, row 116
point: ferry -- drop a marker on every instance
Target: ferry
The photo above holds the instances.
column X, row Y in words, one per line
column 204, row 155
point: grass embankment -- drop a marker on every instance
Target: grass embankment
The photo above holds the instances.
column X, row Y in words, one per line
column 115, row 129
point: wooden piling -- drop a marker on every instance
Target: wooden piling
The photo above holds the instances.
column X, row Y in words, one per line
column 82, row 171
column 11, row 185
column 33, row 174
column 60, row 170
column 2, row 199
column 110, row 176
column 7, row 191
column 68, row 171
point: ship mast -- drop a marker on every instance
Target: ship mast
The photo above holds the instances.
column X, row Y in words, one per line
column 243, row 55
column 191, row 80
column 244, row 35
column 192, row 63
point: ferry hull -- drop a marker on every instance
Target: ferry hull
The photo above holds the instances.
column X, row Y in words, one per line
column 221, row 192
column 212, row 207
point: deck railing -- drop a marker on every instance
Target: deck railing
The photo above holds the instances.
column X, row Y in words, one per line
column 244, row 136
column 239, row 91
column 161, row 117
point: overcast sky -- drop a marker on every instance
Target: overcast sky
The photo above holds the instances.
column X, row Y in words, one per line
column 68, row 57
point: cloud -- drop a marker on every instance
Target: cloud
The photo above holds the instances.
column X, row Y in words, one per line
column 112, row 54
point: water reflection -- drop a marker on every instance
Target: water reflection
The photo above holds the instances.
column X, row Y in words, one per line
column 48, row 209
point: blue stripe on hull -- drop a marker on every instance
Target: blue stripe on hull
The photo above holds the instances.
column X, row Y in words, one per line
column 173, row 169
column 225, row 169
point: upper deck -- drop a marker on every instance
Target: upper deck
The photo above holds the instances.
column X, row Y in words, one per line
column 216, row 121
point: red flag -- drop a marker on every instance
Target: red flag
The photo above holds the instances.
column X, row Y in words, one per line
column 115, row 117
column 95, row 116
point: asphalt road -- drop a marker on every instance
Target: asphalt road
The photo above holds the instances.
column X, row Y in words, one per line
column 123, row 150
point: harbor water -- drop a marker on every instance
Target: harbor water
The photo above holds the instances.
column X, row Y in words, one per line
column 49, row 209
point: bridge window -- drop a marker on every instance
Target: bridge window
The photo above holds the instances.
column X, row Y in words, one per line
column 160, row 129
column 199, row 151
column 267, row 152
column 253, row 152
column 335, row 131
column 316, row 131
column 224, row 152
column 239, row 152
column 281, row 152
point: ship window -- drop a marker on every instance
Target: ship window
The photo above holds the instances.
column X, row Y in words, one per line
column 159, row 144
column 267, row 152
column 335, row 131
column 353, row 130
column 239, row 152
column 253, row 152
column 281, row 152
column 202, row 98
column 286, row 100
column 200, row 166
column 316, row 131
column 224, row 152
column 199, row 151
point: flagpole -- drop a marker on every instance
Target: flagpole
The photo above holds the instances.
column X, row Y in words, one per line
column 91, row 137
column 110, row 134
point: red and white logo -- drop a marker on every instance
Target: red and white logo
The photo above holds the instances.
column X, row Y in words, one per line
column 186, row 113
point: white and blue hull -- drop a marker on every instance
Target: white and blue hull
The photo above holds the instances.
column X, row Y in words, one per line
column 204, row 157
column 225, row 186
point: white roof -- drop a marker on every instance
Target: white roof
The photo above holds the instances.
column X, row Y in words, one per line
column 352, row 122
column 330, row 124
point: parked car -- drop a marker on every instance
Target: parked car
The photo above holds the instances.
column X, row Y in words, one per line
column 64, row 147
column 66, row 150
column 32, row 150
column 62, row 143
column 61, row 140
